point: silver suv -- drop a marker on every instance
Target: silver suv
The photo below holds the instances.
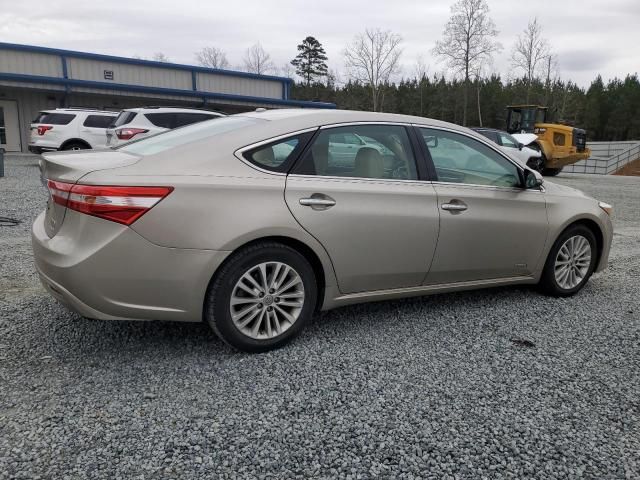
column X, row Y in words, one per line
column 137, row 123
column 69, row 129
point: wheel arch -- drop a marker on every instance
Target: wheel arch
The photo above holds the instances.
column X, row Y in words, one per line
column 75, row 140
column 301, row 247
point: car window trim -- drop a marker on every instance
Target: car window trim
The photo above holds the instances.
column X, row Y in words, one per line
column 239, row 153
column 484, row 141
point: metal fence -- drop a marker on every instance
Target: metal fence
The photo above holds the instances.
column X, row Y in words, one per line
column 606, row 158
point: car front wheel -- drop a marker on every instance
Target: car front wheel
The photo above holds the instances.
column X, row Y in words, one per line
column 571, row 262
column 262, row 297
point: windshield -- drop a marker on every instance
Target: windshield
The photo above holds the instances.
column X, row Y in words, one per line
column 190, row 133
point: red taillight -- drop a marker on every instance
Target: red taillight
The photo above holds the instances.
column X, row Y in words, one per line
column 129, row 133
column 42, row 129
column 118, row 204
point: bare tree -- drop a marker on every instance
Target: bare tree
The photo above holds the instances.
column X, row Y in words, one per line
column 160, row 57
column 372, row 58
column 287, row 70
column 530, row 51
column 257, row 60
column 421, row 70
column 467, row 41
column 551, row 74
column 212, row 57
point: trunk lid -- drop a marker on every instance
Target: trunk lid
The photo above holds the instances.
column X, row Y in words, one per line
column 69, row 168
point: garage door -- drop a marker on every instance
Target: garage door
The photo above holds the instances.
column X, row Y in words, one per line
column 9, row 126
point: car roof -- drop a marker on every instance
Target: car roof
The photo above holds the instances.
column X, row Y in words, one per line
column 78, row 110
column 171, row 109
column 310, row 117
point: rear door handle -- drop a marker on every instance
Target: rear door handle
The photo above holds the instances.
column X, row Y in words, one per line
column 454, row 207
column 317, row 202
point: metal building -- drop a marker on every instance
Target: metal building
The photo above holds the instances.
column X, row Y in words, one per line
column 37, row 78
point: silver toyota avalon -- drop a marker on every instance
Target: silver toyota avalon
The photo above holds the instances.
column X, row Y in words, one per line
column 254, row 221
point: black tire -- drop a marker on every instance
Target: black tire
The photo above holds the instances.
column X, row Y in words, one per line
column 75, row 146
column 548, row 283
column 217, row 306
column 551, row 172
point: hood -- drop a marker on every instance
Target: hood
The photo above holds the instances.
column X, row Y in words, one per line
column 557, row 189
column 525, row 138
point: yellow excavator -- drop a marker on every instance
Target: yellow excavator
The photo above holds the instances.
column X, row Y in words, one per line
column 560, row 145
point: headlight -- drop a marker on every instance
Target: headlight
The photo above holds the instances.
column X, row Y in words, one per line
column 606, row 207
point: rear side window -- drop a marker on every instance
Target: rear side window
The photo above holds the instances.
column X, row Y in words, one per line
column 54, row 118
column 185, row 118
column 277, row 156
column 123, row 118
column 489, row 134
column 163, row 120
column 98, row 121
column 189, row 134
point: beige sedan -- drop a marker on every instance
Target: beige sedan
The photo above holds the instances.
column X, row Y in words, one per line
column 252, row 222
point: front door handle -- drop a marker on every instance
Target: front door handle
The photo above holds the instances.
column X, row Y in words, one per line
column 454, row 206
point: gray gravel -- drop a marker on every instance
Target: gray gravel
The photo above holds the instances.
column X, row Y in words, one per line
column 501, row 383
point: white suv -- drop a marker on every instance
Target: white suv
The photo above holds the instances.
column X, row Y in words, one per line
column 70, row 129
column 136, row 123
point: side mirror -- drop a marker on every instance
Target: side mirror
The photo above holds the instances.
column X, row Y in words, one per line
column 520, row 146
column 532, row 179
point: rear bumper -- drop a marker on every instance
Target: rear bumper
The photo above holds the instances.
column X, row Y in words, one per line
column 107, row 271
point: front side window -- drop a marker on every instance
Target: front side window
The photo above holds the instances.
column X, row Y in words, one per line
column 362, row 151
column 461, row 159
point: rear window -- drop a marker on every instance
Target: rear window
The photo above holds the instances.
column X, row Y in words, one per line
column 191, row 133
column 54, row 118
column 98, row 121
column 123, row 118
column 173, row 120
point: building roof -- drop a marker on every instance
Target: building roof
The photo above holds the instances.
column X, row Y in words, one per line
column 70, row 78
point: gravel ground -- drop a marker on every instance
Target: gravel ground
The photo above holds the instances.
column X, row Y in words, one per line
column 501, row 383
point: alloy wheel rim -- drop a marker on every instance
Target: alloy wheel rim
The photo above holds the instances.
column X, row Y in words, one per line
column 267, row 300
column 572, row 262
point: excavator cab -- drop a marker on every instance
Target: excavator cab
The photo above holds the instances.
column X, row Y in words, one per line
column 523, row 118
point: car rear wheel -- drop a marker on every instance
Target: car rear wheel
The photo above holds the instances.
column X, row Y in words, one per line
column 75, row 146
column 571, row 262
column 262, row 297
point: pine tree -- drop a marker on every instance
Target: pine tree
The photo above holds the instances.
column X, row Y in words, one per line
column 311, row 60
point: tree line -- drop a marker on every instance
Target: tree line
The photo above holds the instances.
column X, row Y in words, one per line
column 608, row 111
column 468, row 95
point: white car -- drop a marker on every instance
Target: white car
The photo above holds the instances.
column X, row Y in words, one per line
column 516, row 146
column 136, row 123
column 69, row 129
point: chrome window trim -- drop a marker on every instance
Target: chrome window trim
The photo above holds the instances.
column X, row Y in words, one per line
column 239, row 153
column 421, row 182
column 358, row 179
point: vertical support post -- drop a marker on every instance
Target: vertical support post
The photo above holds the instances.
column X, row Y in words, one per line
column 1, row 162
column 65, row 75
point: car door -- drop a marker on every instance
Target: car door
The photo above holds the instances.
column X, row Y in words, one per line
column 377, row 220
column 94, row 129
column 490, row 227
